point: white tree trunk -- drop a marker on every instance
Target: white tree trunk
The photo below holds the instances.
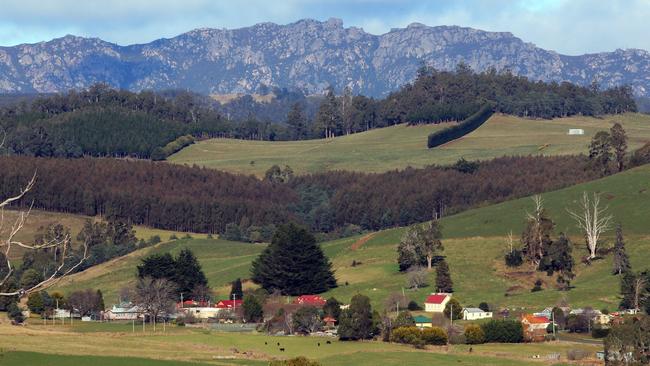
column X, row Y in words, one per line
column 593, row 220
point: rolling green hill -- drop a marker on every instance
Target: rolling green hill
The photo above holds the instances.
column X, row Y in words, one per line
column 474, row 246
column 401, row 146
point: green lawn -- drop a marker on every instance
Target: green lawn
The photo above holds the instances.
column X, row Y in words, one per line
column 44, row 359
column 401, row 146
column 474, row 245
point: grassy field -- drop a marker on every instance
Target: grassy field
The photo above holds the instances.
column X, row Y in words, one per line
column 71, row 345
column 38, row 220
column 401, row 146
column 474, row 245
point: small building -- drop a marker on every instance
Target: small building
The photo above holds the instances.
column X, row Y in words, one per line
column 124, row 311
column 475, row 314
column 310, row 300
column 534, row 327
column 329, row 321
column 435, row 303
column 576, row 131
column 202, row 312
column 422, row 322
column 546, row 313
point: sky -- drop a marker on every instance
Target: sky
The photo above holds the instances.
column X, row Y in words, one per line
column 568, row 26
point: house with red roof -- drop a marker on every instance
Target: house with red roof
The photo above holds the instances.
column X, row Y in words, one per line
column 534, row 327
column 310, row 300
column 228, row 304
column 435, row 303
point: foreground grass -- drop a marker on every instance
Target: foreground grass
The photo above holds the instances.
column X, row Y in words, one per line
column 474, row 246
column 71, row 345
column 401, row 146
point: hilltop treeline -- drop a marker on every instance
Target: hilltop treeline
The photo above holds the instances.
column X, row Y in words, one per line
column 101, row 121
column 203, row 200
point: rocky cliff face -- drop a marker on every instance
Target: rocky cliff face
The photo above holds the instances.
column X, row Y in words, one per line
column 308, row 55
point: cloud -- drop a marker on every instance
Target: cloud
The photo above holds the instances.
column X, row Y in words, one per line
column 567, row 26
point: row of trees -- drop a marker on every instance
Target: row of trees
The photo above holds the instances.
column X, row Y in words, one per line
column 202, row 200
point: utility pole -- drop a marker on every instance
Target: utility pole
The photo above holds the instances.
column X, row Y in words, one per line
column 234, row 304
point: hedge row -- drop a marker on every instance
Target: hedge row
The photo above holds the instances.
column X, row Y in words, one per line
column 161, row 153
column 463, row 128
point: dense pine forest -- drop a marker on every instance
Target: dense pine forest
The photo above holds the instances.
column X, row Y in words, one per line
column 204, row 200
column 101, row 121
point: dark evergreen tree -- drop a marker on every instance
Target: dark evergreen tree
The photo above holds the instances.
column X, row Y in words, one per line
column 293, row 264
column 443, row 278
column 236, row 291
column 600, row 152
column 332, row 308
column 328, row 119
column 188, row 273
column 619, row 145
column 357, row 321
column 100, row 301
column 557, row 257
column 157, row 266
column 621, row 260
column 253, row 311
column 404, row 319
column 297, row 122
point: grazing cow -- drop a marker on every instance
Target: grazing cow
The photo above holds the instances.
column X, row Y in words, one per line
column 266, row 343
column 278, row 344
column 318, row 344
column 328, row 342
column 281, row 349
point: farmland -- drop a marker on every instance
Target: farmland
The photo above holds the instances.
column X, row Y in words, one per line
column 400, row 146
column 474, row 239
column 56, row 345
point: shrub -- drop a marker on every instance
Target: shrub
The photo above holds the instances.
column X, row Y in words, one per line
column 298, row 361
column 514, row 258
column 577, row 323
column 474, row 334
column 406, row 335
column 413, row 306
column 503, row 331
column 173, row 237
column 599, row 332
column 15, row 313
column 154, row 240
column 435, row 336
column 468, row 125
column 404, row 319
column 454, row 305
column 484, row 306
column 538, row 286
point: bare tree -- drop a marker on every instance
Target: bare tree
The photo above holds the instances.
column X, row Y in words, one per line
column 65, row 260
column 639, row 288
column 593, row 220
column 537, row 228
column 155, row 297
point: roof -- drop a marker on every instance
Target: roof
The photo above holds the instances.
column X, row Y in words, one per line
column 227, row 304
column 421, row 319
column 532, row 319
column 329, row 319
column 474, row 310
column 314, row 300
column 436, row 298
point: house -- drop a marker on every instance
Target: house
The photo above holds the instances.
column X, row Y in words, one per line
column 310, row 300
column 422, row 322
column 534, row 327
column 124, row 311
column 435, row 303
column 475, row 314
column 229, row 304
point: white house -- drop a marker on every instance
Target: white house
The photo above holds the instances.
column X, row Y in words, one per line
column 202, row 312
column 125, row 311
column 435, row 303
column 475, row 313
column 576, row 131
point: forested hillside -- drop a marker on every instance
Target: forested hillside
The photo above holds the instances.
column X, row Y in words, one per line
column 101, row 121
column 204, row 200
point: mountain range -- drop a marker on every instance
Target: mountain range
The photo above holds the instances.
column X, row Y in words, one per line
column 307, row 56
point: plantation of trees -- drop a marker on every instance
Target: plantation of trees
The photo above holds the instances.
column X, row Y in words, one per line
column 203, row 200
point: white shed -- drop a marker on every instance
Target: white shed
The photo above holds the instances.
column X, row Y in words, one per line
column 475, row 313
column 576, row 131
